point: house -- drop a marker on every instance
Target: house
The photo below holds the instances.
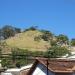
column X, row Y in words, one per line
column 72, row 56
column 55, row 67
column 42, row 66
column 6, row 73
column 0, row 64
column 17, row 71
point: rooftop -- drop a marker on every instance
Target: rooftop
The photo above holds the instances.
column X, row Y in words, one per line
column 59, row 65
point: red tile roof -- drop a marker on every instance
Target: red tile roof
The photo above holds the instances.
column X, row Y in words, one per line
column 59, row 65
column 55, row 65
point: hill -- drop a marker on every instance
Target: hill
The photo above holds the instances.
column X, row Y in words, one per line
column 37, row 40
column 25, row 40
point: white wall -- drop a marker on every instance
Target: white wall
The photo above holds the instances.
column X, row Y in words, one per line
column 41, row 70
column 16, row 71
column 6, row 74
column 0, row 64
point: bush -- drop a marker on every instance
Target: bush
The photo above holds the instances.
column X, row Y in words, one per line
column 31, row 28
column 37, row 38
column 18, row 65
column 73, row 42
column 5, row 63
column 56, row 51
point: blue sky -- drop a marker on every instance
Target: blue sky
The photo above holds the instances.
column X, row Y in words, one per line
column 57, row 16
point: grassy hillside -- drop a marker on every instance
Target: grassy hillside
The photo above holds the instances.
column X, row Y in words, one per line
column 25, row 40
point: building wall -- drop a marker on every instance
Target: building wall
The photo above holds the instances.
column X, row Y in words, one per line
column 64, row 74
column 41, row 70
column 74, row 73
column 6, row 73
column 15, row 72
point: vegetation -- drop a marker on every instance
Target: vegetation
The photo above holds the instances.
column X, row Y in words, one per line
column 47, row 35
column 56, row 51
column 73, row 42
column 5, row 63
column 9, row 31
column 37, row 38
column 53, row 42
column 30, row 40
column 0, row 52
column 20, row 57
column 62, row 39
column 29, row 44
column 33, row 28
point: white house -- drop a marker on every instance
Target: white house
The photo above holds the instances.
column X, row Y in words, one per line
column 6, row 73
column 0, row 64
column 44, row 66
column 55, row 67
column 17, row 71
column 72, row 56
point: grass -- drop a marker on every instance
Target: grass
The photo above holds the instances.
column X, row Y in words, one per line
column 25, row 40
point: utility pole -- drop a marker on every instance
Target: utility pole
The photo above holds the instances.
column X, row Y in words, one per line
column 47, row 66
column 47, row 63
column 49, row 53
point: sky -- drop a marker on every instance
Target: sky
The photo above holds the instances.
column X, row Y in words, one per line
column 58, row 16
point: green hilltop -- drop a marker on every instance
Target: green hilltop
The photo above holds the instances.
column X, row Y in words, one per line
column 25, row 40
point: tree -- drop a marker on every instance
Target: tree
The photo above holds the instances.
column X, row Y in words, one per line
column 33, row 28
column 56, row 51
column 8, row 31
column 0, row 52
column 18, row 64
column 19, row 54
column 5, row 63
column 37, row 38
column 53, row 42
column 17, row 30
column 62, row 39
column 47, row 35
column 72, row 42
column 1, row 37
column 0, row 34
